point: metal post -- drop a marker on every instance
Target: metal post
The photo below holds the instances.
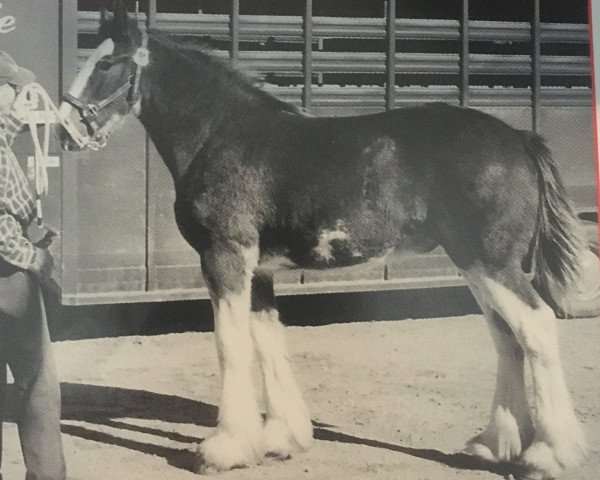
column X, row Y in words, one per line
column 390, row 68
column 464, row 56
column 234, row 31
column 307, row 56
column 149, row 259
column 67, row 38
column 151, row 19
column 536, row 82
column 390, row 59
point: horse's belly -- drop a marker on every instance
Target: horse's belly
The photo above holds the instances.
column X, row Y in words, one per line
column 340, row 246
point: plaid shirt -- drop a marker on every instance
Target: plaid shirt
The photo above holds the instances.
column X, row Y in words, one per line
column 17, row 206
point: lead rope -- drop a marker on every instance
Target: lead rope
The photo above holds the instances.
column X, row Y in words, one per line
column 34, row 94
column 40, row 160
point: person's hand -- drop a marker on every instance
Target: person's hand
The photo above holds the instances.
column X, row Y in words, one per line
column 47, row 239
column 43, row 264
column 22, row 105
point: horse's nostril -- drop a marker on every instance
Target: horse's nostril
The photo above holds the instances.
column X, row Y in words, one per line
column 68, row 145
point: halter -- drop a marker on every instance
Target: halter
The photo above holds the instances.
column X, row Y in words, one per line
column 131, row 88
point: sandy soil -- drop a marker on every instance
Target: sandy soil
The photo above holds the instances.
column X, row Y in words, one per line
column 390, row 400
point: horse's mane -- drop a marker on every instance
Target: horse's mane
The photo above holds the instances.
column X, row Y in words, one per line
column 195, row 51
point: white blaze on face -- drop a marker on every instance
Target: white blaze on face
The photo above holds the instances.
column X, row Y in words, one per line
column 105, row 48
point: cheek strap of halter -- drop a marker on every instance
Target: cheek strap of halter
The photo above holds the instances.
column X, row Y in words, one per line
column 141, row 58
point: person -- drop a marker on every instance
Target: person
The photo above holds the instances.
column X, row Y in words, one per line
column 24, row 339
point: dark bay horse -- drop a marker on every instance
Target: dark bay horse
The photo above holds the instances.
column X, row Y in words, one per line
column 254, row 176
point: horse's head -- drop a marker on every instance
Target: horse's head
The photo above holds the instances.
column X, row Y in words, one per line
column 107, row 88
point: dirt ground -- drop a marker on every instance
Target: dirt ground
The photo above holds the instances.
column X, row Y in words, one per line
column 389, row 400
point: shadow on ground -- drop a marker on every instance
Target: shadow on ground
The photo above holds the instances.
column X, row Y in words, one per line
column 73, row 323
column 108, row 406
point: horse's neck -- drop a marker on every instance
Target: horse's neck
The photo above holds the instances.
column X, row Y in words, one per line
column 168, row 146
column 181, row 112
column 182, row 105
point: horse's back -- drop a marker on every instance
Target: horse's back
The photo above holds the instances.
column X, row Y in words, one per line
column 484, row 195
column 408, row 178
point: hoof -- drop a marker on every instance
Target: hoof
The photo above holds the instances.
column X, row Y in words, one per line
column 542, row 462
column 224, row 451
column 501, row 441
column 494, row 447
column 476, row 448
column 280, row 441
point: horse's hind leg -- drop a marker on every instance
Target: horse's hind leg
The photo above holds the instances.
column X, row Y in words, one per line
column 558, row 441
column 288, row 427
column 510, row 429
column 238, row 440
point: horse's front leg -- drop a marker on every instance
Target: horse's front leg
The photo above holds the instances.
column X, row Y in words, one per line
column 238, row 440
column 288, row 427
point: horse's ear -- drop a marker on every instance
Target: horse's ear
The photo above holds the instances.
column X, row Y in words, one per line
column 103, row 14
column 120, row 16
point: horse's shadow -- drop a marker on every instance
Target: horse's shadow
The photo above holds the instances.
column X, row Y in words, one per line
column 103, row 405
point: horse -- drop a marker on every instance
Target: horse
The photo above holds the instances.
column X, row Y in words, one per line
column 255, row 176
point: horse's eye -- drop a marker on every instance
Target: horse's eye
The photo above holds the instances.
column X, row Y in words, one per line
column 104, row 64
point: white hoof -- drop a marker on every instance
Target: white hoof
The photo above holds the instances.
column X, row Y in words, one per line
column 498, row 446
column 477, row 447
column 501, row 441
column 281, row 441
column 544, row 461
column 540, row 463
column 278, row 442
column 224, row 451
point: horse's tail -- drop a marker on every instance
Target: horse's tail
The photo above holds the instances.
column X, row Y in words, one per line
column 559, row 240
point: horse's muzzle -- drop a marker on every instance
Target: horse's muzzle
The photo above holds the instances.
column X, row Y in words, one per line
column 67, row 143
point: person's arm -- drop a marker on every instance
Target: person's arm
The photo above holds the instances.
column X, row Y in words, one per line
column 19, row 251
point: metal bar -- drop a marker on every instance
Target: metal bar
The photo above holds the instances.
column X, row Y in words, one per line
column 372, row 96
column 320, row 48
column 68, row 44
column 151, row 17
column 307, row 67
column 464, row 56
column 390, row 58
column 69, row 211
column 234, row 31
column 406, row 63
column 148, row 250
column 298, row 288
column 289, row 28
column 536, row 82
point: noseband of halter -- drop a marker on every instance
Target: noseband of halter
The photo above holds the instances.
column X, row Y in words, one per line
column 130, row 89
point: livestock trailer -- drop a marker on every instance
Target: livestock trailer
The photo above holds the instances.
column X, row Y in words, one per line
column 118, row 240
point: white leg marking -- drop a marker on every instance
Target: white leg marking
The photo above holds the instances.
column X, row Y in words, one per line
column 288, row 426
column 510, row 428
column 558, row 440
column 238, row 440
